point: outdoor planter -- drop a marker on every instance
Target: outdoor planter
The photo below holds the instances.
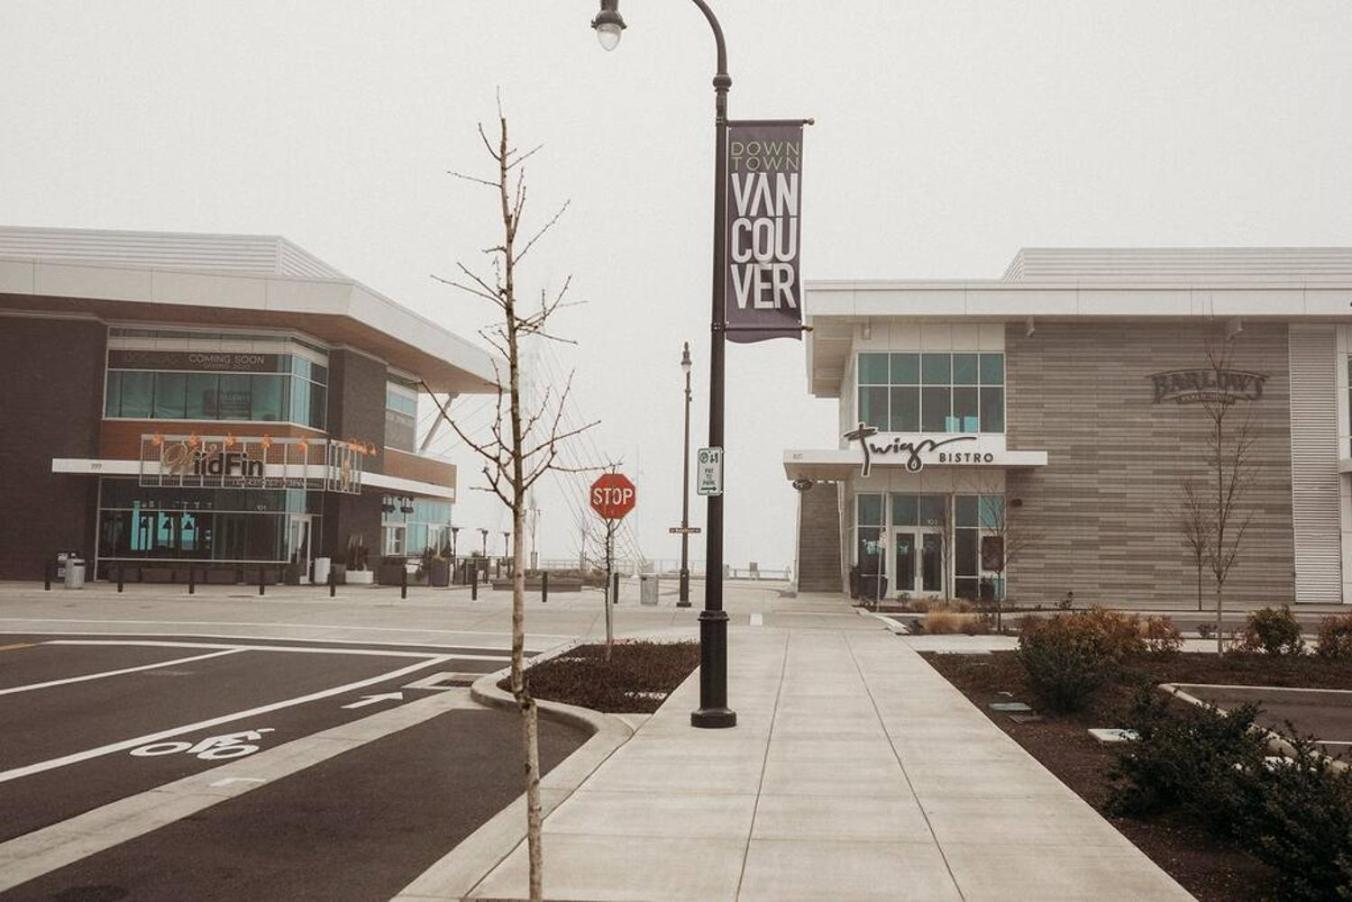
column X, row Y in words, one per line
column 439, row 573
column 359, row 578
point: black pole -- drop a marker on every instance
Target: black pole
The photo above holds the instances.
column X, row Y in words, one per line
column 474, row 583
column 544, row 587
column 192, row 579
column 47, row 569
column 333, row 582
column 121, row 572
column 261, row 574
column 683, row 597
column 403, row 581
column 713, row 711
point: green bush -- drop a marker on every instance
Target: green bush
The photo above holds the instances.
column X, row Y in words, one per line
column 1199, row 761
column 1335, row 637
column 1303, row 827
column 1273, row 631
column 1068, row 656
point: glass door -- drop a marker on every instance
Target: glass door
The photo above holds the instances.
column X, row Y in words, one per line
column 932, row 563
column 904, row 572
column 300, row 544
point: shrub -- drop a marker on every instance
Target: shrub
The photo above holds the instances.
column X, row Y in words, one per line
column 940, row 620
column 1121, row 633
column 1273, row 631
column 1065, row 659
column 1303, row 827
column 1205, row 630
column 1160, row 636
column 1203, row 762
column 1335, row 637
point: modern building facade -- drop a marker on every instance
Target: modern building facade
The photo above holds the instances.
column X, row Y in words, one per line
column 1036, row 435
column 227, row 400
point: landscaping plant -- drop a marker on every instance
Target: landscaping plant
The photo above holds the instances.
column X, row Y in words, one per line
column 1335, row 637
column 1161, row 636
column 1273, row 631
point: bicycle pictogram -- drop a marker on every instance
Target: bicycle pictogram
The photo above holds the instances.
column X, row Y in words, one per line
column 212, row 748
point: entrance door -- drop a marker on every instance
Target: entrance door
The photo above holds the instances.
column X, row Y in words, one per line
column 932, row 563
column 300, row 544
column 904, row 572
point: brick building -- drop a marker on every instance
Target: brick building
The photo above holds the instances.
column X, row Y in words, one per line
column 221, row 400
column 1060, row 411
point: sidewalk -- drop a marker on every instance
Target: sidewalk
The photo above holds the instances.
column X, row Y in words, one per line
column 855, row 772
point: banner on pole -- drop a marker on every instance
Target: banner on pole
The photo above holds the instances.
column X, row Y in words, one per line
column 763, row 292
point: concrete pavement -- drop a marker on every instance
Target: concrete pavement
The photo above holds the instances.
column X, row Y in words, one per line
column 855, row 772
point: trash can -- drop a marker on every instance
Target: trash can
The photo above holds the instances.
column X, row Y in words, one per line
column 75, row 573
column 322, row 565
column 647, row 589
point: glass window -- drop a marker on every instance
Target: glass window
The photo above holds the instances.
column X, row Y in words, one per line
column 905, row 410
column 201, row 401
column 905, row 510
column 269, row 401
column 964, row 369
column 318, row 406
column 873, row 407
column 965, row 415
column 113, row 395
column 905, row 369
column 873, row 369
column 234, row 399
column 870, row 509
column 936, row 369
column 170, row 393
column 992, row 409
column 992, row 369
column 992, row 511
column 935, row 408
column 137, row 390
column 965, row 561
column 965, row 510
column 933, row 509
column 300, row 401
column 869, row 550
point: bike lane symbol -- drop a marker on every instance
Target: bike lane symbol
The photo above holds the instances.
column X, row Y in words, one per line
column 212, row 748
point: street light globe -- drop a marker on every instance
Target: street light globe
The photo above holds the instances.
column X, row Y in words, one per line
column 685, row 358
column 609, row 24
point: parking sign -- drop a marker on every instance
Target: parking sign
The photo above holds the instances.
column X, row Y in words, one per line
column 709, row 472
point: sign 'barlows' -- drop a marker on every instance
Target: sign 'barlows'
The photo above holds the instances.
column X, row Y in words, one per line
column 765, row 161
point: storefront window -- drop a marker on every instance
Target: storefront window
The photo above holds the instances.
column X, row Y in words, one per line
column 410, row 532
column 934, row 393
column 868, row 531
column 401, row 415
column 978, row 555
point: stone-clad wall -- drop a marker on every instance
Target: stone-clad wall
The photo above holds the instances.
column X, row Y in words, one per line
column 1101, row 517
column 819, row 539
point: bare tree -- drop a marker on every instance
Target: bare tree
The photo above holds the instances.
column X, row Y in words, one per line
column 1229, row 456
column 524, row 444
column 1003, row 541
column 1194, row 525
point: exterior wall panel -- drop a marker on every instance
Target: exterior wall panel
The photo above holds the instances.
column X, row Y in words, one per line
column 819, row 539
column 1101, row 518
column 1315, row 503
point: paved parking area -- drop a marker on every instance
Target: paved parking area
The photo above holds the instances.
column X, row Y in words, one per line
column 89, row 723
column 1323, row 713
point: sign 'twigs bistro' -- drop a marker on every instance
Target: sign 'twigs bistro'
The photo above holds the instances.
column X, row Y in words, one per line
column 1058, row 411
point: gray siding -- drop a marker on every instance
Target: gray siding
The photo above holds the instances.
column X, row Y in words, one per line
column 1314, row 464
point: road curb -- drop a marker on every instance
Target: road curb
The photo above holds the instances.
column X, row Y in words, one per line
column 895, row 627
column 463, row 868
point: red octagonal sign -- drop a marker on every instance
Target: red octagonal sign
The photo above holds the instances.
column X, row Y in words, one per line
column 613, row 496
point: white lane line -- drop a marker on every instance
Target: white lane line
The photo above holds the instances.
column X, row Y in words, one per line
column 757, row 620
column 30, row 769
column 274, row 625
column 304, row 649
column 112, row 673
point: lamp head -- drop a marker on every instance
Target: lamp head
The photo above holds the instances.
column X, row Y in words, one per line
column 685, row 358
column 609, row 24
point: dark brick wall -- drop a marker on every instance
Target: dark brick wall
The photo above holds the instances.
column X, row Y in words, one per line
column 51, row 397
column 1101, row 517
column 356, row 411
column 819, row 539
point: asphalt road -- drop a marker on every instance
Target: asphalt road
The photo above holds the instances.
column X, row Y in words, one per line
column 86, row 722
column 1326, row 715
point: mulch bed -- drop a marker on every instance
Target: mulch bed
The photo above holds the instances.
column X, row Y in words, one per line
column 1210, row 870
column 636, row 680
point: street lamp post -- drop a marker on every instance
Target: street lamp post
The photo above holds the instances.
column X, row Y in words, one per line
column 455, row 530
column 683, row 599
column 483, row 534
column 713, row 709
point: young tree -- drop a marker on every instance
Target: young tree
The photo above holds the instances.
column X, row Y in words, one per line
column 524, row 444
column 1003, row 541
column 1194, row 525
column 1229, row 457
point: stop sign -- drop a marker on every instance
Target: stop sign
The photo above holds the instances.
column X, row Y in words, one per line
column 613, row 496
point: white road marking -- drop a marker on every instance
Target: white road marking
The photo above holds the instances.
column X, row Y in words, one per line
column 304, row 649
column 375, row 699
column 757, row 620
column 30, row 769
column 111, row 673
column 228, row 780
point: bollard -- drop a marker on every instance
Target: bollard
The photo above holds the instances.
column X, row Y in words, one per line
column 615, row 591
column 403, row 581
column 333, row 582
column 47, row 576
column 261, row 573
column 544, row 587
column 121, row 570
column 474, row 584
column 192, row 580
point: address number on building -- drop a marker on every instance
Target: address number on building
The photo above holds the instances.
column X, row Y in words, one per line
column 709, row 471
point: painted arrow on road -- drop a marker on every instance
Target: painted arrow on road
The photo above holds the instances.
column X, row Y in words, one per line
column 376, row 699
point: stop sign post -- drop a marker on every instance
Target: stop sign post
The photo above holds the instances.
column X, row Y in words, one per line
column 612, row 496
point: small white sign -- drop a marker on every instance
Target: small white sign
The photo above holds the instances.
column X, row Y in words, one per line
column 709, row 472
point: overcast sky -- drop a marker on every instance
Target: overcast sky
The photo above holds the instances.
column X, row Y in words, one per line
column 948, row 135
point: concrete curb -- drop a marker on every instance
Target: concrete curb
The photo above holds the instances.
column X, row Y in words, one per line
column 463, row 868
column 895, row 627
column 1275, row 741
